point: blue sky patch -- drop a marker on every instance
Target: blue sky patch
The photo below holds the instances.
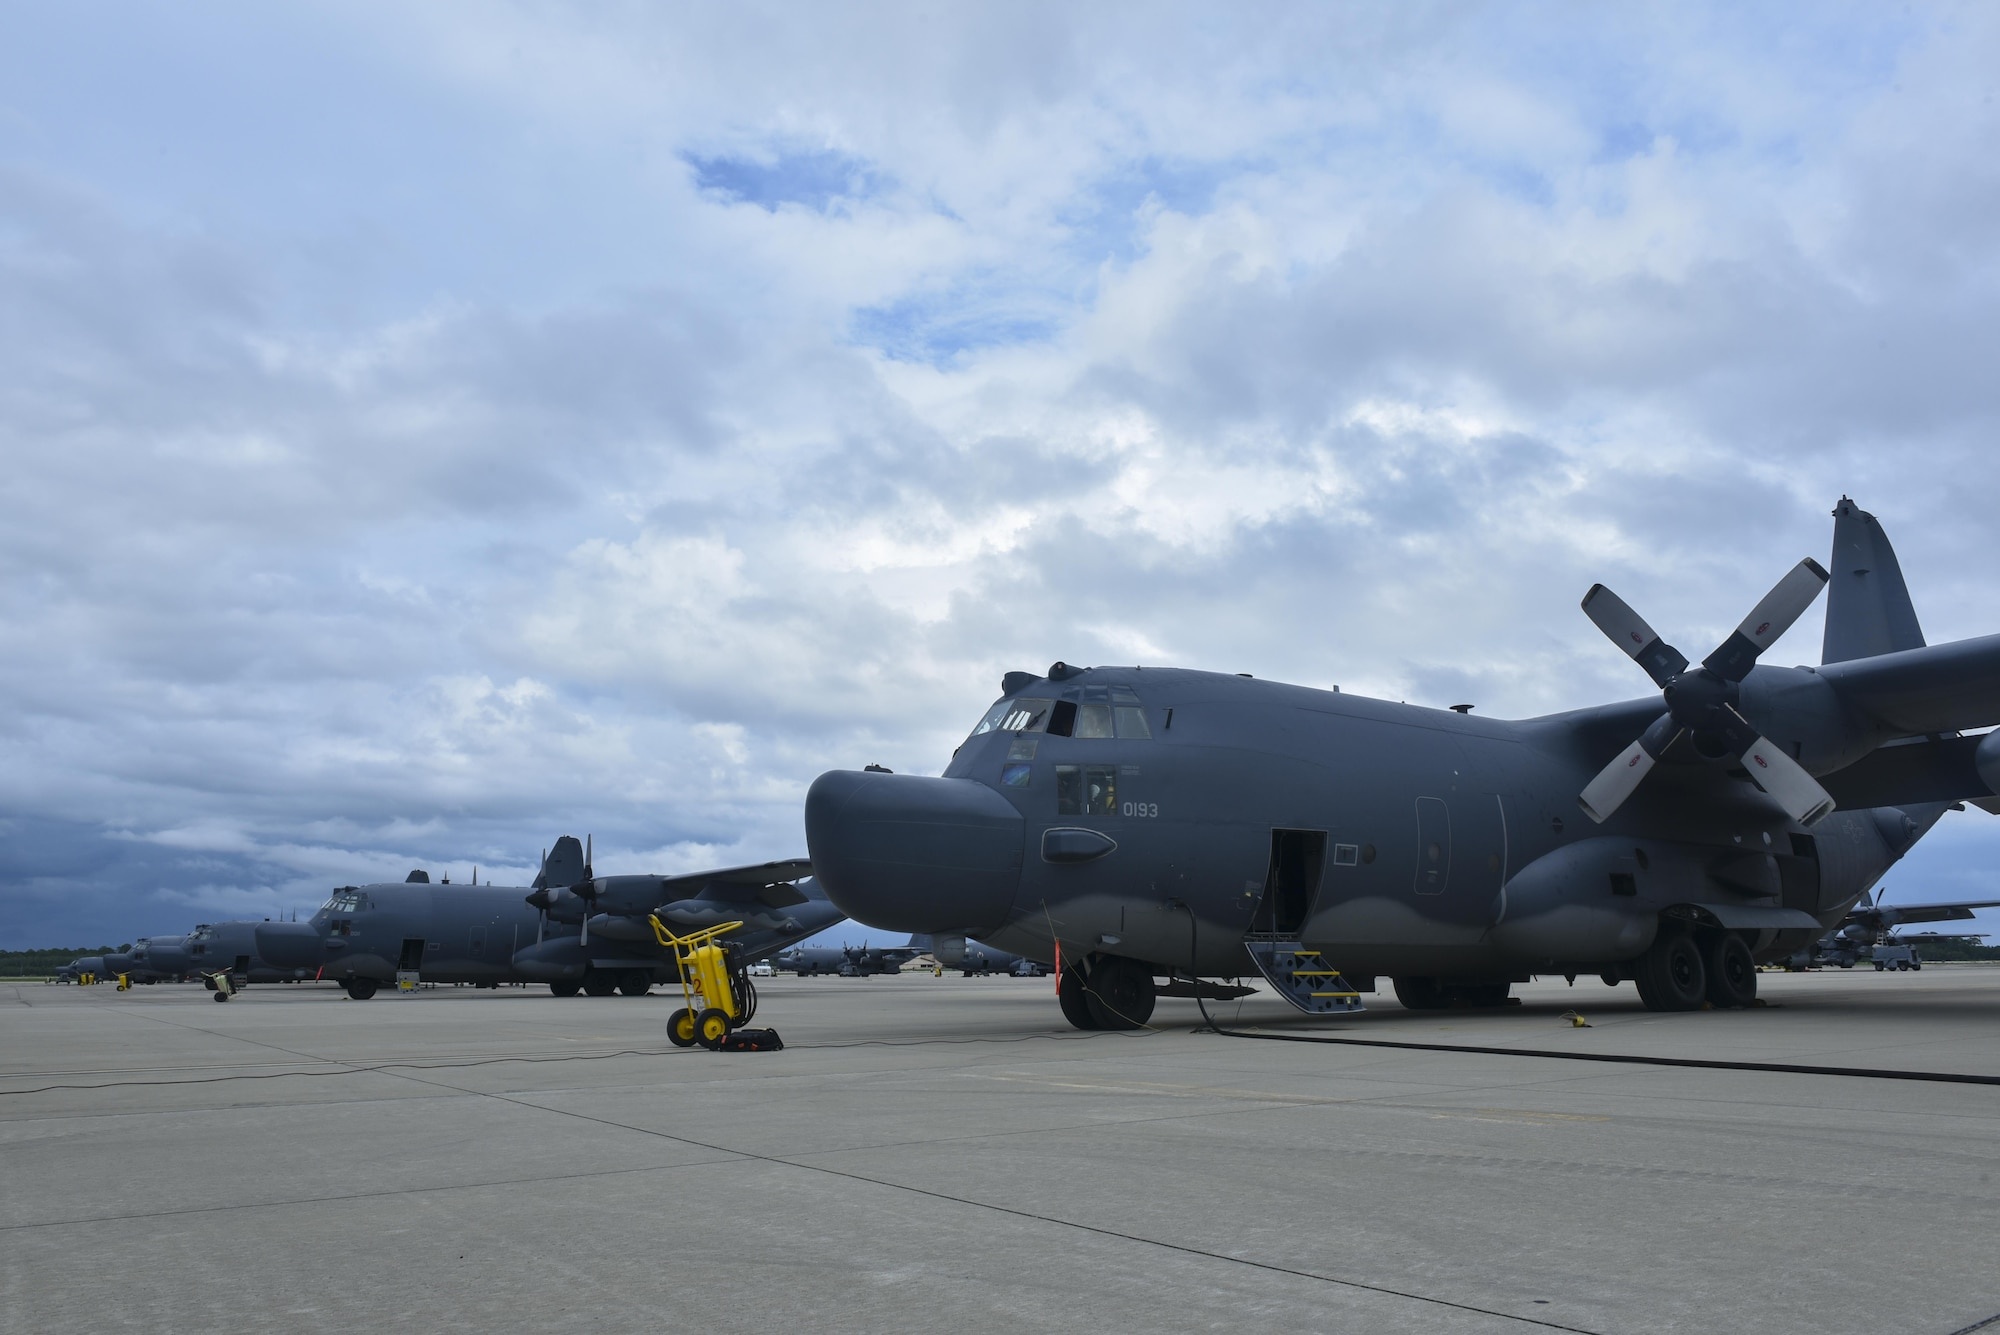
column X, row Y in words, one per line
column 937, row 328
column 814, row 178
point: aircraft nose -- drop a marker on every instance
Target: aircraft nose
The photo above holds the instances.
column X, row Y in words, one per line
column 912, row 854
column 290, row 945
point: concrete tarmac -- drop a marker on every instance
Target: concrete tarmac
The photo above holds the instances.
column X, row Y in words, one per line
column 943, row 1153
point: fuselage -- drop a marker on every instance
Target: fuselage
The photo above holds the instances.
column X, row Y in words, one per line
column 1184, row 810
column 489, row 935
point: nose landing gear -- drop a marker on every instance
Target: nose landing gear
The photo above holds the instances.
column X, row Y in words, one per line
column 1107, row 992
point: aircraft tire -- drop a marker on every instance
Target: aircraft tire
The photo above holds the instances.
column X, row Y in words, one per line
column 1121, row 993
column 360, row 989
column 1069, row 995
column 565, row 989
column 680, row 1028
column 635, row 983
column 1671, row 975
column 599, row 983
column 1731, row 973
column 710, row 1028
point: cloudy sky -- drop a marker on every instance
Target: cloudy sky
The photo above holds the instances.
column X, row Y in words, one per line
column 431, row 429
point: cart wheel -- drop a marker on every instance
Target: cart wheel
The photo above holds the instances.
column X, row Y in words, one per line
column 221, row 995
column 680, row 1028
column 710, row 1028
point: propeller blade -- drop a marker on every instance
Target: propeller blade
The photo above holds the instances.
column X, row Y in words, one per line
column 587, row 872
column 1629, row 631
column 1778, row 774
column 1784, row 604
column 584, row 936
column 1617, row 781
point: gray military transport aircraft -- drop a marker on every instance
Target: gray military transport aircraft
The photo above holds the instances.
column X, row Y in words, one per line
column 1870, row 929
column 1144, row 823
column 573, row 930
column 951, row 952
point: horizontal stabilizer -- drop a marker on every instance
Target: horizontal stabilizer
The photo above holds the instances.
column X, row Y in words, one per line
column 1942, row 770
column 1942, row 688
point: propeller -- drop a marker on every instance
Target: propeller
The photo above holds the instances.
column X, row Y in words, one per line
column 1702, row 700
column 539, row 896
column 586, row 890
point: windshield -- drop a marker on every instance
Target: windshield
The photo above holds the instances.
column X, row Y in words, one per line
column 345, row 900
column 1024, row 715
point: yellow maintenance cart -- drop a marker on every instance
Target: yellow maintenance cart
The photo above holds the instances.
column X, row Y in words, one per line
column 717, row 1000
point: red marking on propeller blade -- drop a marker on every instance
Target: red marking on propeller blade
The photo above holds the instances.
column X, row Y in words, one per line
column 1761, row 762
column 1630, row 763
column 1761, row 629
column 1636, row 640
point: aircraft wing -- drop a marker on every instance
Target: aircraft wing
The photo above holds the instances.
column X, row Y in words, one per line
column 1940, row 688
column 1895, row 915
column 766, row 883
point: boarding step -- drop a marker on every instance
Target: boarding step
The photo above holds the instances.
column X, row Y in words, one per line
column 1302, row 976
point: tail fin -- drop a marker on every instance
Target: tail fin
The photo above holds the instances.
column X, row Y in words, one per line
column 919, row 941
column 1868, row 610
column 564, row 866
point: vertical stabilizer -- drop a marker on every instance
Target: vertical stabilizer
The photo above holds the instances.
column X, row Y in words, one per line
column 1868, row 609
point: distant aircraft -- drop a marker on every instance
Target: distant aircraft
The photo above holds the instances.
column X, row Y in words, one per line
column 1870, row 928
column 1139, row 823
column 976, row 957
column 950, row 952
column 83, row 966
column 147, row 960
column 572, row 930
column 862, row 961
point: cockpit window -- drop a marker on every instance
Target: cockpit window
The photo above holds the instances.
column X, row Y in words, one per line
column 1093, row 721
column 1026, row 715
column 345, row 900
column 1092, row 711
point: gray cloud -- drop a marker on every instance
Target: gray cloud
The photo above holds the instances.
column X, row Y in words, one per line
column 692, row 401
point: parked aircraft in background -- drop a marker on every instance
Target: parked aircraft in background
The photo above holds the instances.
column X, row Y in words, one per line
column 1868, row 934
column 572, row 930
column 976, row 957
column 864, row 960
column 83, row 966
column 1139, row 823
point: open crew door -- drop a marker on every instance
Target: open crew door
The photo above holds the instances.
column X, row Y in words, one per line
column 1291, row 885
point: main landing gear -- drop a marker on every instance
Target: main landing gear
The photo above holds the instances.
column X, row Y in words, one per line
column 360, row 989
column 1107, row 992
column 1688, row 967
